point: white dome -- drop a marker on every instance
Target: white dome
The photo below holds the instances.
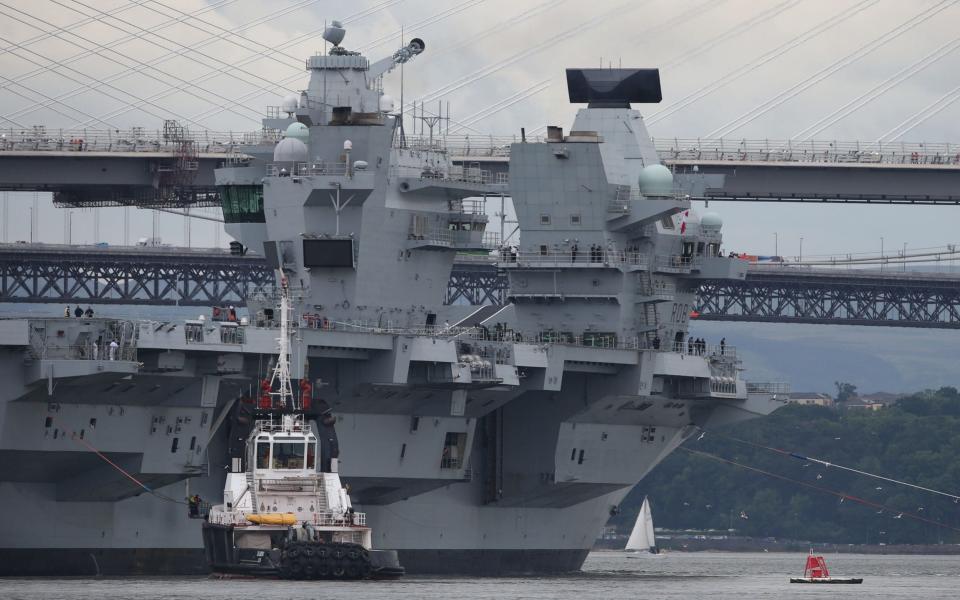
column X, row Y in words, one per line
column 711, row 220
column 387, row 104
column 290, row 150
column 289, row 103
column 298, row 131
column 656, row 180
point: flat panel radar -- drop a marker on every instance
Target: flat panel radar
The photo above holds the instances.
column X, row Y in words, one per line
column 328, row 253
column 613, row 88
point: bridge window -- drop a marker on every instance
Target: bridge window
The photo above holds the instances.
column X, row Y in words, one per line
column 288, row 454
column 242, row 203
column 311, row 456
column 263, row 455
column 454, row 445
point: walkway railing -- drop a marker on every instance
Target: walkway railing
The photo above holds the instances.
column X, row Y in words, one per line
column 85, row 352
column 140, row 139
column 583, row 257
column 137, row 139
column 811, row 151
column 768, row 387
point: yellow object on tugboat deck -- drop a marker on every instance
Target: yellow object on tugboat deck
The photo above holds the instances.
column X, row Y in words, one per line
column 272, row 518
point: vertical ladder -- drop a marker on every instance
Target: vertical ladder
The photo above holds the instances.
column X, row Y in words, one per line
column 252, row 488
column 651, row 320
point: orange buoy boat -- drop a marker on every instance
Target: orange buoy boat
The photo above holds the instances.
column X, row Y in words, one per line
column 816, row 572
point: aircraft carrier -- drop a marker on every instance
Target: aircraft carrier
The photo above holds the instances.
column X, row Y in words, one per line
column 485, row 439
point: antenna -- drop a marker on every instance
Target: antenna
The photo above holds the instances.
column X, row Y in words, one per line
column 403, row 135
column 432, row 121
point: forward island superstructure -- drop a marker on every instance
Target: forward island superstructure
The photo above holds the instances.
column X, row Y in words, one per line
column 475, row 439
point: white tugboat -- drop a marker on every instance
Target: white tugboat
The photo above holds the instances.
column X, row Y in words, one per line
column 285, row 512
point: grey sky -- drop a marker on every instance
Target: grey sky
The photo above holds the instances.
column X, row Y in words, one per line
column 695, row 41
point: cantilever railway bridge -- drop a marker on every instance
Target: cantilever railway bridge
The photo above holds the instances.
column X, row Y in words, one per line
column 202, row 277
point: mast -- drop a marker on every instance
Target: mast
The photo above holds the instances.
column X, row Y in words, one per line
column 283, row 396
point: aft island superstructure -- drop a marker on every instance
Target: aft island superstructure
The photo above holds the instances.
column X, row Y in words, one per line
column 475, row 439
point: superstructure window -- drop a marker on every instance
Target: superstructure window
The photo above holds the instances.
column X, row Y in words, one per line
column 544, row 219
column 288, row 455
column 242, row 203
column 574, row 219
column 311, row 456
column 263, row 455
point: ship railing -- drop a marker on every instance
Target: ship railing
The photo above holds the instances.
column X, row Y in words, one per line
column 317, row 321
column 468, row 206
column 808, row 151
column 582, row 257
column 452, row 174
column 475, row 258
column 662, row 292
column 136, row 139
column 451, row 462
column 332, row 519
column 302, row 169
column 289, row 484
column 776, row 388
column 473, row 238
column 723, row 387
column 470, row 145
column 714, row 351
column 85, row 352
column 677, row 262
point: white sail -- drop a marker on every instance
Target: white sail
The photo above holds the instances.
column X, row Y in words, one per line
column 641, row 538
column 648, row 525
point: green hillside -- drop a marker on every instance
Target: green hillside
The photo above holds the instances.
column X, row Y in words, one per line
column 916, row 440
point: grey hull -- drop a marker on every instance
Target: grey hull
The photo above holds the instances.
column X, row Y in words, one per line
column 93, row 562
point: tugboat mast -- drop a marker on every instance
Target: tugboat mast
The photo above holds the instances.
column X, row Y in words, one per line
column 281, row 389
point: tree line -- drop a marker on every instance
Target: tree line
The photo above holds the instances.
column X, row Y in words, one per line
column 917, row 440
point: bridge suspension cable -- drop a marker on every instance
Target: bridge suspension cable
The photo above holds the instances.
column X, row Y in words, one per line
column 393, row 36
column 878, row 90
column 922, row 115
column 231, row 37
column 133, row 4
column 113, row 87
column 731, row 76
column 252, row 58
column 729, row 34
column 479, row 74
column 87, row 53
column 507, row 102
column 485, row 34
column 71, row 59
column 146, row 37
column 848, row 59
column 724, row 36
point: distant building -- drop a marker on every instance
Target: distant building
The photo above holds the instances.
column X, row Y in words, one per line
column 885, row 398
column 812, row 398
column 862, row 403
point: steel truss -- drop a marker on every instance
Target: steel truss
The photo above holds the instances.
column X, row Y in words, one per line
column 476, row 284
column 129, row 279
column 168, row 277
column 836, row 298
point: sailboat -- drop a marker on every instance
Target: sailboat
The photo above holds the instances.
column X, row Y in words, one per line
column 642, row 538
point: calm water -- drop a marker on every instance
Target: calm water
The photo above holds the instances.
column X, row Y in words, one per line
column 606, row 575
